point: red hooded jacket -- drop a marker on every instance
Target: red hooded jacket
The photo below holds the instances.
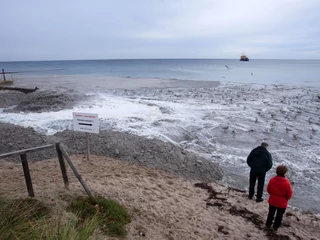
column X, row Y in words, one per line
column 280, row 192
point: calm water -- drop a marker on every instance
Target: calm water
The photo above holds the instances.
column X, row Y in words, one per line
column 295, row 72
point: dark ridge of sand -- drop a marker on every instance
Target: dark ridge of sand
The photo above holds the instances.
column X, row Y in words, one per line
column 128, row 147
column 14, row 138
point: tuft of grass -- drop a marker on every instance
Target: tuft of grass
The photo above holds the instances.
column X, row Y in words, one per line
column 66, row 230
column 112, row 217
column 19, row 219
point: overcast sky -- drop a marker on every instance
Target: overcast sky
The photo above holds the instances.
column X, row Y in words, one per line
column 118, row 29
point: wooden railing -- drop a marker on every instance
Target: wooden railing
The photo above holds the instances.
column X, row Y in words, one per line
column 25, row 165
column 62, row 154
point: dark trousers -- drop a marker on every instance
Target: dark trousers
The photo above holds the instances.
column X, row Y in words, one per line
column 252, row 180
column 278, row 220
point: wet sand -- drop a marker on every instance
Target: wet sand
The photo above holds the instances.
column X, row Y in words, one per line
column 85, row 83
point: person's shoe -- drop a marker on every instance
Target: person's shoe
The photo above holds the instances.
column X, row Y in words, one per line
column 267, row 228
column 275, row 229
column 259, row 200
column 250, row 197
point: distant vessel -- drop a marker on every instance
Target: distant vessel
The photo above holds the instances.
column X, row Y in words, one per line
column 244, row 58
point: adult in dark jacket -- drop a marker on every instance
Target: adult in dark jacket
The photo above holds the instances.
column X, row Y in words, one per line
column 280, row 191
column 260, row 162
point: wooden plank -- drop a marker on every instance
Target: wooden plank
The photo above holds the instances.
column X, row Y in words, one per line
column 62, row 166
column 26, row 172
column 24, row 151
column 74, row 169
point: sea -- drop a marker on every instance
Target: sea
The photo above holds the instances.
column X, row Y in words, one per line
column 277, row 101
column 294, row 72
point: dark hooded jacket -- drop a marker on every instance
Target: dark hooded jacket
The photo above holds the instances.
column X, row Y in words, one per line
column 259, row 160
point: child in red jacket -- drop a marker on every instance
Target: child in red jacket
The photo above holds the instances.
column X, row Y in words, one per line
column 280, row 191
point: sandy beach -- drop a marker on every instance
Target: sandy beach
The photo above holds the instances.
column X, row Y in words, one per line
column 163, row 205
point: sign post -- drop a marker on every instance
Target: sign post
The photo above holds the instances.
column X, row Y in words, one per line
column 88, row 146
column 88, row 123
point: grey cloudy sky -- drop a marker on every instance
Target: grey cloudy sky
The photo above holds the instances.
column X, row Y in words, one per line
column 106, row 29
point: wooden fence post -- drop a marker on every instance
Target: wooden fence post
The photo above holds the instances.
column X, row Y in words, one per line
column 26, row 172
column 62, row 166
column 74, row 169
column 24, row 161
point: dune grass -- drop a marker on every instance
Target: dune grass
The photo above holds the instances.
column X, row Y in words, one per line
column 28, row 219
column 112, row 216
column 70, row 229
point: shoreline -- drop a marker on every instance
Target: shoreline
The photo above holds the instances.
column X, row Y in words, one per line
column 85, row 83
column 218, row 125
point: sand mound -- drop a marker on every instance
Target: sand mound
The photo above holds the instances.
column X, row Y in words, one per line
column 164, row 206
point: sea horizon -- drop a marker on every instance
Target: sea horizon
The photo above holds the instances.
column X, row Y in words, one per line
column 191, row 58
column 260, row 71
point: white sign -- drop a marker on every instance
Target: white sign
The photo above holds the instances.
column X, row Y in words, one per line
column 85, row 122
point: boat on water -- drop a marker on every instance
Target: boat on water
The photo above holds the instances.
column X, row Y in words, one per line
column 244, row 58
